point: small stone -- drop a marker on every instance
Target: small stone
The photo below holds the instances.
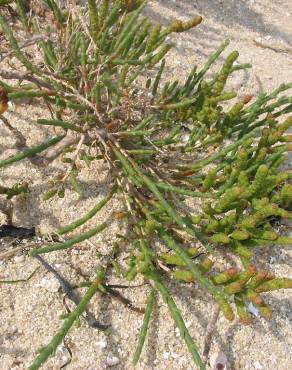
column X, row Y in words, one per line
column 185, row 138
column 258, row 365
column 102, row 344
column 19, row 259
column 50, row 284
column 189, row 324
column 166, row 355
column 61, row 348
column 112, row 360
column 10, row 107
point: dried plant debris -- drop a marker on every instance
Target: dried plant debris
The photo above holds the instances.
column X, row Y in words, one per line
column 99, row 76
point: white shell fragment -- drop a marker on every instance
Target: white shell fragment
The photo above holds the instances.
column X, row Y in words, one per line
column 10, row 106
column 112, row 360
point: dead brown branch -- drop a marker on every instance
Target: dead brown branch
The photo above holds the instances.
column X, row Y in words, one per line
column 8, row 75
column 276, row 48
column 210, row 332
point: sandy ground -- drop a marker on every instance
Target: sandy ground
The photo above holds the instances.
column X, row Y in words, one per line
column 29, row 312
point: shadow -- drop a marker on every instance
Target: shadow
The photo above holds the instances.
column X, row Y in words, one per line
column 229, row 13
column 274, row 325
column 187, row 297
column 221, row 20
column 266, row 328
column 202, row 39
column 30, row 212
column 17, row 352
column 110, row 310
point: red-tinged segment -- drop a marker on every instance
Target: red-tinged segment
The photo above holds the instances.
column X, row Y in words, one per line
column 247, row 99
column 252, row 268
column 188, row 173
column 120, row 215
column 262, row 275
column 270, row 276
column 51, row 93
column 245, row 320
column 3, row 96
column 232, row 271
column 258, row 300
column 3, row 100
column 87, row 88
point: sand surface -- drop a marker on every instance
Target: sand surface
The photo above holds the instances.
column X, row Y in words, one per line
column 262, row 32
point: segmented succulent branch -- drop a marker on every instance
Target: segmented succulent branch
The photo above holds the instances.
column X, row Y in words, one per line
column 102, row 76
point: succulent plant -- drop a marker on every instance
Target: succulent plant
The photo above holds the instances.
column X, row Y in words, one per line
column 102, row 76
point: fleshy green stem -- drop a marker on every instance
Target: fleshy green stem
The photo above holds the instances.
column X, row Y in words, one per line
column 89, row 215
column 149, row 309
column 205, row 282
column 49, row 349
column 69, row 243
column 31, row 152
column 176, row 315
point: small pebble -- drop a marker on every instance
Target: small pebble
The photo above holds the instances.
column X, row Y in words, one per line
column 188, row 324
column 10, row 107
column 112, row 360
column 19, row 259
column 185, row 138
column 61, row 348
column 50, row 284
column 102, row 344
column 258, row 365
column 166, row 355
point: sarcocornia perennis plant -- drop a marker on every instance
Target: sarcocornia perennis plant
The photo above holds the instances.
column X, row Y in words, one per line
column 101, row 78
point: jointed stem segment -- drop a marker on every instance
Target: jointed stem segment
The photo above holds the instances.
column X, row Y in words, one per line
column 49, row 349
